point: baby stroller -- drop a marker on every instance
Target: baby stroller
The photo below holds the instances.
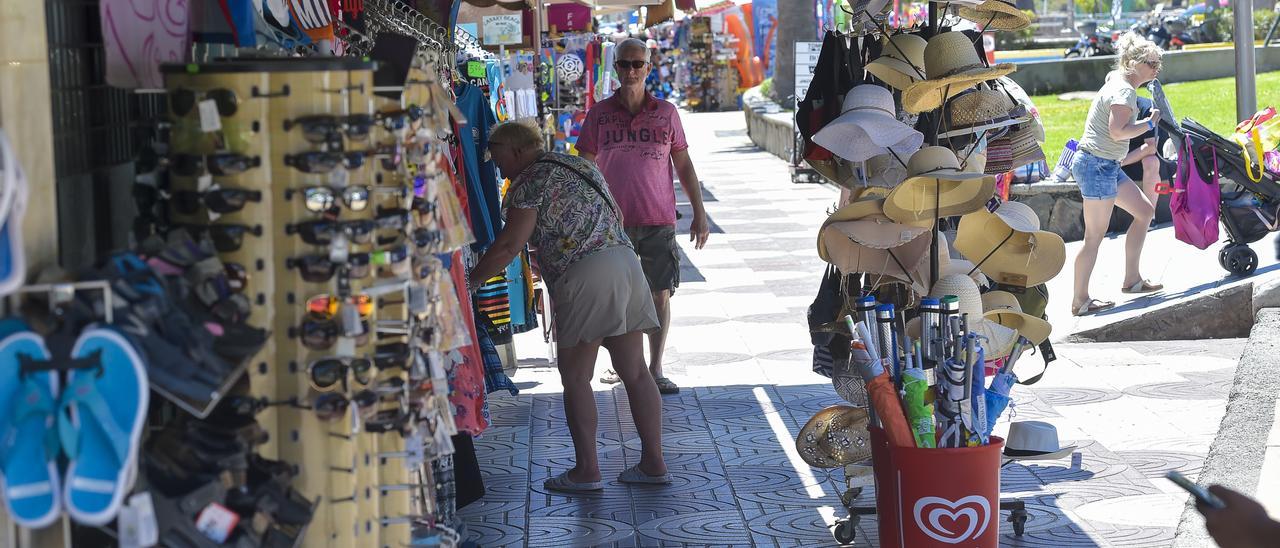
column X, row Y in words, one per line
column 1249, row 210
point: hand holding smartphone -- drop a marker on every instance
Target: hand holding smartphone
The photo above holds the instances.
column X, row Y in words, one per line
column 1201, row 494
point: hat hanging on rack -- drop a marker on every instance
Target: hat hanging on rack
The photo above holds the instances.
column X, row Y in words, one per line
column 883, row 171
column 952, row 66
column 978, row 110
column 1019, row 95
column 835, row 170
column 936, row 186
column 996, row 15
column 1009, row 246
column 834, row 437
column 999, row 339
column 868, row 126
column 901, row 62
column 1003, row 308
column 859, row 238
column 1023, row 147
column 999, row 155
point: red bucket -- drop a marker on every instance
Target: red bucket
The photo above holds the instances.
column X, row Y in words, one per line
column 937, row 497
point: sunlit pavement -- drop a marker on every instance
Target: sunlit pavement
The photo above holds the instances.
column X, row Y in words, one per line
column 740, row 351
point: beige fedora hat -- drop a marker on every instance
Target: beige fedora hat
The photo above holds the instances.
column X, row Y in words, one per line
column 1003, row 308
column 1006, row 254
column 937, row 187
column 901, row 61
column 978, row 110
column 996, row 15
column 953, row 66
column 835, row 437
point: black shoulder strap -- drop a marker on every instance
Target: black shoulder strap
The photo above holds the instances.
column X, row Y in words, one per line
column 1046, row 352
column 590, row 182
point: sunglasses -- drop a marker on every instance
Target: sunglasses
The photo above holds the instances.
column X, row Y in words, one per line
column 226, row 238
column 1153, row 64
column 333, row 405
column 319, row 128
column 326, row 374
column 222, row 200
column 233, row 309
column 392, row 218
column 322, row 232
column 392, row 355
column 320, row 199
column 320, row 335
column 324, row 162
column 222, row 163
column 183, row 101
column 390, row 420
column 398, row 119
column 320, row 268
column 325, row 307
column 625, row 64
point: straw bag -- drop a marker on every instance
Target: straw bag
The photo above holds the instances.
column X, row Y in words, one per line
column 1256, row 136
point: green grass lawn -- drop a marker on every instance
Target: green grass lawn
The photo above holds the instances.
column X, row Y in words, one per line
column 1210, row 102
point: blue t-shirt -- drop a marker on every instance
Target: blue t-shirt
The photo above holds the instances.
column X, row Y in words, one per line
column 482, row 177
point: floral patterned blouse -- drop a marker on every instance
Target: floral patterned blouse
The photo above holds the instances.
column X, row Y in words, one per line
column 574, row 220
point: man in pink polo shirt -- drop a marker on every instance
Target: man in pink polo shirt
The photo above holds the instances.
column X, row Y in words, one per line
column 636, row 139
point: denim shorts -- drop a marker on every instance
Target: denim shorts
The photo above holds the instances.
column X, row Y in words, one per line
column 1098, row 178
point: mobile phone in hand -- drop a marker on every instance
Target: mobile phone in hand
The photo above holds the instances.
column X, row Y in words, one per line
column 1201, row 494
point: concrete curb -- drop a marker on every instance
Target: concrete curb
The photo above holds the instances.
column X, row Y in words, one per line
column 1236, row 456
column 1203, row 317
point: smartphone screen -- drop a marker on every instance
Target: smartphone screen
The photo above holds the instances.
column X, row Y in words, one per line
column 1200, row 493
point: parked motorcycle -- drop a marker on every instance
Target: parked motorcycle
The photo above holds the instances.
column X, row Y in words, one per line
column 1172, row 33
column 1093, row 41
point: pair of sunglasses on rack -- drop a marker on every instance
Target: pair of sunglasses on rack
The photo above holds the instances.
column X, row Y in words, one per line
column 320, row 335
column 320, row 128
column 323, row 231
column 320, row 268
column 329, row 406
column 220, row 200
column 316, row 161
column 330, row 374
column 183, row 101
column 325, row 307
column 320, row 199
column 227, row 238
column 221, row 164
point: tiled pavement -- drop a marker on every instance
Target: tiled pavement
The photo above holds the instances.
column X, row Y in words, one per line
column 740, row 350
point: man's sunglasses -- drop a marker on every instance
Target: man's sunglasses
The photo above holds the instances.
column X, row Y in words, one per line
column 324, row 162
column 320, row 268
column 190, row 165
column 320, row 128
column 328, row 374
column 625, row 64
column 226, row 238
column 322, row 232
column 321, row 334
column 222, row 200
column 319, row 199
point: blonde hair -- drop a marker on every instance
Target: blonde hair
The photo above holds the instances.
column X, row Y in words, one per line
column 519, row 136
column 1131, row 50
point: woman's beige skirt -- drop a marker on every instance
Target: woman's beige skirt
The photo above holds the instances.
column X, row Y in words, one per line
column 602, row 295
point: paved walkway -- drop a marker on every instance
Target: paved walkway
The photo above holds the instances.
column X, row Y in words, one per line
column 740, row 349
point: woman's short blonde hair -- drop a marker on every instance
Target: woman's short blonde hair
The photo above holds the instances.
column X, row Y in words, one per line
column 1132, row 50
column 519, row 136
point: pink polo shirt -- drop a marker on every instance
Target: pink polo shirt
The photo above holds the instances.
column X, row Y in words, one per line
column 634, row 153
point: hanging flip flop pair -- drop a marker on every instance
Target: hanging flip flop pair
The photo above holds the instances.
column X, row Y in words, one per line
column 95, row 419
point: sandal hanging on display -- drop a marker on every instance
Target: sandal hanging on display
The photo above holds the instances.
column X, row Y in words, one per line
column 103, row 411
column 564, row 484
column 635, row 476
column 29, row 478
column 1094, row 305
column 1143, row 286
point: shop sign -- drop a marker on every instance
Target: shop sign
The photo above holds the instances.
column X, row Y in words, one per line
column 502, row 30
column 806, row 59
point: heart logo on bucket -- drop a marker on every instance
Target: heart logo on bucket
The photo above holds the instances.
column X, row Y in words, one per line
column 942, row 519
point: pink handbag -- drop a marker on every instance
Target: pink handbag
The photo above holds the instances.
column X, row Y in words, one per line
column 1195, row 202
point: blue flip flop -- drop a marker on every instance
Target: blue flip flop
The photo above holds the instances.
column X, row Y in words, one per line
column 29, row 479
column 100, row 435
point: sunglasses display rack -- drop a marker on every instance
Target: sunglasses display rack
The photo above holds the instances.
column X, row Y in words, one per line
column 330, row 239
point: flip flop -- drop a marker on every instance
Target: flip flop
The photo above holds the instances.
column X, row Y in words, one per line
column 564, row 484
column 634, row 475
column 100, row 435
column 1094, row 305
column 29, row 479
column 1143, row 286
column 666, row 387
column 13, row 204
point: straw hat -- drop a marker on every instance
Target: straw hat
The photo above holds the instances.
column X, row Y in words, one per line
column 859, row 238
column 952, row 65
column 835, row 437
column 977, row 110
column 901, row 61
column 884, row 171
column 937, row 187
column 1003, row 308
column 996, row 15
column 1000, row 339
column 1023, row 147
column 834, row 170
column 868, row 126
column 1008, row 255
column 1020, row 95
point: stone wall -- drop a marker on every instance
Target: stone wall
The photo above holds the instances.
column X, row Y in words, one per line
column 768, row 126
column 1088, row 74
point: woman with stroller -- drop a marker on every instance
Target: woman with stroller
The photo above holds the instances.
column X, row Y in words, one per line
column 1112, row 121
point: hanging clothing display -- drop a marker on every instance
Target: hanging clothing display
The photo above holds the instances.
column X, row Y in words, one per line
column 481, row 174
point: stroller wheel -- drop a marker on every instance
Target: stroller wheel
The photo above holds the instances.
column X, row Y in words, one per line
column 1241, row 260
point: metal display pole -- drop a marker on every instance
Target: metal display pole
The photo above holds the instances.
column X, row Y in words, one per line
column 933, row 141
column 1246, row 65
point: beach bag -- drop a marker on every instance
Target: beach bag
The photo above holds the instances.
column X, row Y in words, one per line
column 1194, row 202
column 1256, row 136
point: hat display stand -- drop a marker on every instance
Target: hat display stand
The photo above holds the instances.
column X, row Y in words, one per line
column 953, row 474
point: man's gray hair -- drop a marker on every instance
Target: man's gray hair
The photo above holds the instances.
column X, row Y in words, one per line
column 632, row 43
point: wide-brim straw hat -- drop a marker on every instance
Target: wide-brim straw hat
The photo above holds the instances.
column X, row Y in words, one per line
column 1006, row 255
column 835, row 437
column 868, row 126
column 835, row 170
column 937, row 187
column 1003, row 308
column 996, row 15
column 978, row 110
column 883, row 171
column 1020, row 95
column 859, row 238
column 901, row 61
column 952, row 65
column 999, row 339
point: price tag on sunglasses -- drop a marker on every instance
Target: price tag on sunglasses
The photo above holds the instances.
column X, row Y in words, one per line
column 351, row 324
column 210, row 120
column 204, row 182
column 339, row 249
column 417, row 299
column 346, row 346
